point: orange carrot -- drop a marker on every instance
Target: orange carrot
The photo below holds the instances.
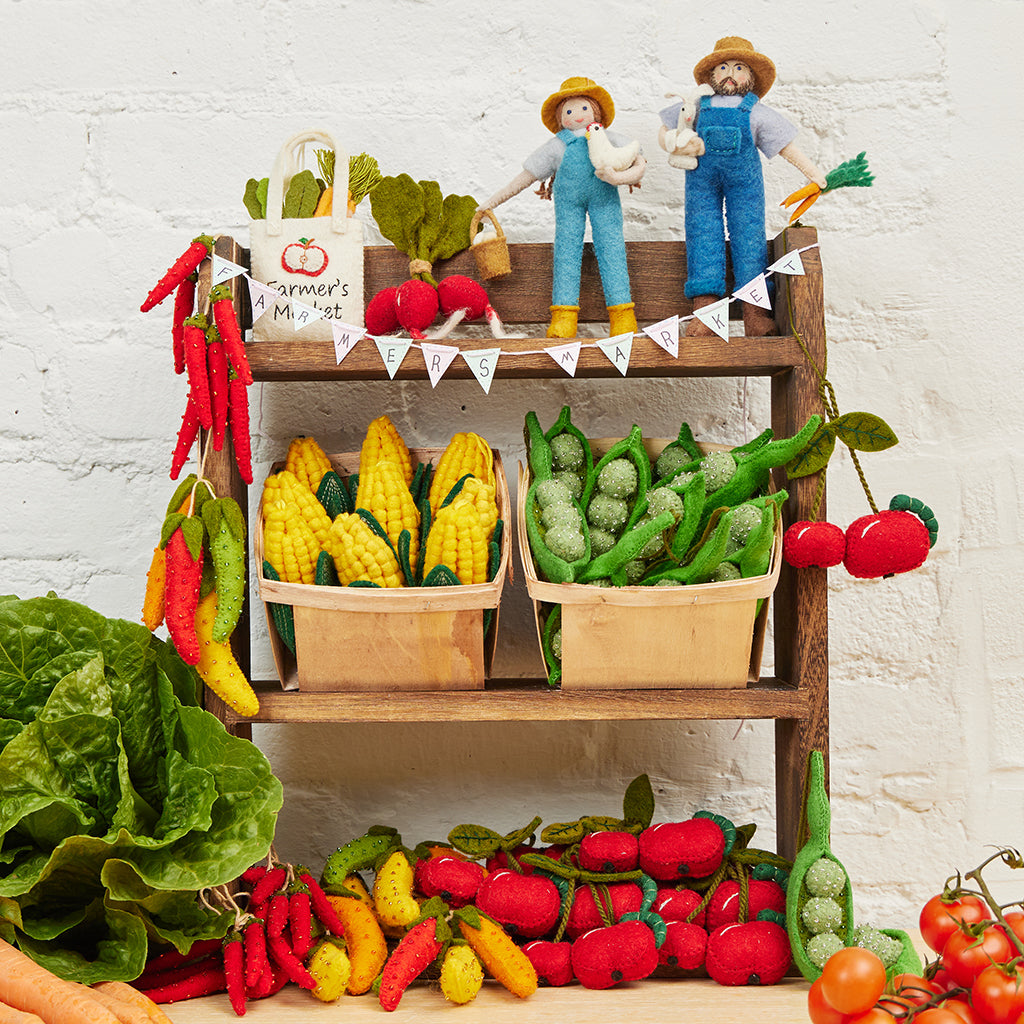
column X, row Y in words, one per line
column 9, row 1015
column 128, row 994
column 27, row 986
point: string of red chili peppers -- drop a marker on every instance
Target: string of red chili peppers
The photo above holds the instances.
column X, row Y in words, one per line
column 279, row 914
column 212, row 356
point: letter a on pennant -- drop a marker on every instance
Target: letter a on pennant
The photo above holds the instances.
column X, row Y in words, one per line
column 567, row 356
column 482, row 362
column 715, row 316
column 618, row 350
column 666, row 334
column 261, row 297
column 438, row 358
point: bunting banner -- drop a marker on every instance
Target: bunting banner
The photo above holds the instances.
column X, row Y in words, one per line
column 439, row 357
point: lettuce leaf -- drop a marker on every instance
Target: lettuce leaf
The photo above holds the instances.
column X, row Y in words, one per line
column 121, row 797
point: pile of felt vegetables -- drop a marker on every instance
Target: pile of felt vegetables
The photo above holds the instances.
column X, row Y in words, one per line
column 391, row 524
column 196, row 585
column 208, row 348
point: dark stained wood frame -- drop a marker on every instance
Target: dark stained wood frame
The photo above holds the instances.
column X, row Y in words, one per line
column 796, row 698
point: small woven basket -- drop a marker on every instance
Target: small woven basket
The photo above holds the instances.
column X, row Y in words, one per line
column 492, row 257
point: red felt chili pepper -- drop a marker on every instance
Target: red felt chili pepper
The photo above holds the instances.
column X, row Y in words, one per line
column 195, row 367
column 273, row 880
column 202, row 983
column 187, row 434
column 411, row 957
column 288, row 962
column 160, row 979
column 238, row 417
column 185, row 264
column 300, row 923
column 184, row 576
column 277, row 914
column 175, row 958
column 217, row 374
column 184, row 303
column 234, row 972
column 325, row 913
column 256, row 963
column 227, row 323
column 261, row 987
column 252, row 875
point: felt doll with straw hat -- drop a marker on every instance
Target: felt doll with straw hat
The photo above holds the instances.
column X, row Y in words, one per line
column 583, row 187
column 736, row 128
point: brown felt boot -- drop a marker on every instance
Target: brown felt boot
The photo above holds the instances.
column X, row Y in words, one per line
column 695, row 328
column 758, row 321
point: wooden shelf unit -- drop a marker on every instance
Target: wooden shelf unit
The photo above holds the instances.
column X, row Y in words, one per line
column 797, row 697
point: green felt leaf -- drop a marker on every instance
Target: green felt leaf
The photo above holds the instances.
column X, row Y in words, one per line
column 638, row 802
column 520, row 835
column 815, row 456
column 431, row 226
column 398, row 207
column 457, row 213
column 302, row 196
column 476, row 840
column 563, row 833
column 864, row 432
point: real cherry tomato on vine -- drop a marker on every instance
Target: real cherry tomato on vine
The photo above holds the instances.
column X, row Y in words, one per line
column 963, row 1010
column 965, row 956
column 998, row 994
column 819, row 1009
column 1015, row 921
column 853, row 979
column 940, row 918
column 914, row 989
column 876, row 1015
column 938, row 1015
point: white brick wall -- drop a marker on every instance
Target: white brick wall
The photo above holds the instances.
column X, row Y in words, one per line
column 127, row 130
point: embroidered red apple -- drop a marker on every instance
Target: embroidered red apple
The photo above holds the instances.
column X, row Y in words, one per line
column 896, row 540
column 303, row 257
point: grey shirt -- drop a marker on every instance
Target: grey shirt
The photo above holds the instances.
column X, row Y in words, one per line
column 770, row 130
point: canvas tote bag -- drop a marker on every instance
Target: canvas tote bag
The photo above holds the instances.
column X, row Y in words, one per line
column 316, row 261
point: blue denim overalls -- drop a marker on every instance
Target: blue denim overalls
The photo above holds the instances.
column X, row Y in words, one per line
column 729, row 172
column 577, row 191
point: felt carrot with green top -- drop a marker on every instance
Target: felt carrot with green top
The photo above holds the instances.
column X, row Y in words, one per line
column 227, row 323
column 851, row 173
column 185, row 264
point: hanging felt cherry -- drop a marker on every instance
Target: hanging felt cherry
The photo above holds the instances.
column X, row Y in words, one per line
column 890, row 542
column 754, row 953
column 819, row 544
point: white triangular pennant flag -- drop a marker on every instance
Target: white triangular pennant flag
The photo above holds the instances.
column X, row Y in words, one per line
column 666, row 334
column 261, row 297
column 567, row 356
column 715, row 316
column 618, row 350
column 789, row 264
column 755, row 292
column 438, row 358
column 393, row 351
column 303, row 315
column 345, row 338
column 223, row 270
column 483, row 362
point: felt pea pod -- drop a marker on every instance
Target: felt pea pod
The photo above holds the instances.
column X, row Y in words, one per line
column 631, row 448
column 676, row 454
column 571, row 443
column 538, row 451
column 709, row 554
column 626, row 549
column 693, row 494
column 551, row 644
column 554, row 564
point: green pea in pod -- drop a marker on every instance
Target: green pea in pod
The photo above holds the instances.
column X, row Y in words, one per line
column 564, row 433
column 630, row 448
column 562, row 565
column 551, row 644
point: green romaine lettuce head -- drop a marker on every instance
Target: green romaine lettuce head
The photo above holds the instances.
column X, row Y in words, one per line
column 120, row 797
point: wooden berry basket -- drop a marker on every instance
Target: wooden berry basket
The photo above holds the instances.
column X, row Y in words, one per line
column 706, row 635
column 361, row 639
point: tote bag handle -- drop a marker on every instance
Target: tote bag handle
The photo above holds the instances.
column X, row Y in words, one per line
column 285, row 167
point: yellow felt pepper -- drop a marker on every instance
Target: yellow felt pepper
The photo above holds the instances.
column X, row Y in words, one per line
column 461, row 974
column 331, row 969
column 217, row 666
column 392, row 892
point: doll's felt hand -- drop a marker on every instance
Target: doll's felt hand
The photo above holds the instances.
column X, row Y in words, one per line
column 668, row 139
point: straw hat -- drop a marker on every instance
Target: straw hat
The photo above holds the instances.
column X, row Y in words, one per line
column 577, row 86
column 737, row 48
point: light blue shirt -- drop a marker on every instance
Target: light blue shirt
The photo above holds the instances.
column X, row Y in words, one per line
column 545, row 160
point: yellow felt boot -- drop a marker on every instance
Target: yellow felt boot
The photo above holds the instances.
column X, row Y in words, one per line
column 622, row 318
column 563, row 322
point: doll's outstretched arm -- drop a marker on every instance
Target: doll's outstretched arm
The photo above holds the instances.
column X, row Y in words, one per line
column 522, row 180
column 803, row 164
column 630, row 176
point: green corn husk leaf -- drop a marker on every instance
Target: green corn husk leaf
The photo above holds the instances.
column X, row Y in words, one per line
column 402, row 549
column 326, row 575
column 864, row 432
column 441, row 576
column 334, row 495
column 282, row 614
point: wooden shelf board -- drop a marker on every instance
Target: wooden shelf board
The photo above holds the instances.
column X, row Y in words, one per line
column 528, row 701
column 526, row 358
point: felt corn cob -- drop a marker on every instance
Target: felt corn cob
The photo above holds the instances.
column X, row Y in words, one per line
column 458, row 539
column 382, row 441
column 361, row 554
column 384, row 491
column 287, row 486
column 465, row 453
column 308, row 461
column 482, row 496
column 289, row 544
column 850, row 173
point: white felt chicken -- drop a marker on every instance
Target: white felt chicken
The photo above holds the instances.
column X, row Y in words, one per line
column 682, row 143
column 604, row 154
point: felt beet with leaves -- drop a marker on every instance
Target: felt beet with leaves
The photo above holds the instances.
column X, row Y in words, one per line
column 606, row 956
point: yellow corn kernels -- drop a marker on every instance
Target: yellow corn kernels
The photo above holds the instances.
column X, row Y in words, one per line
column 289, row 544
column 383, row 441
column 457, row 540
column 482, row 495
column 383, row 491
column 360, row 554
column 308, row 461
column 466, row 453
column 286, row 486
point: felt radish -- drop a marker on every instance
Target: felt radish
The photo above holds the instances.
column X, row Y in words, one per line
column 459, row 292
column 808, row 544
column 381, row 317
column 896, row 540
column 416, row 305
